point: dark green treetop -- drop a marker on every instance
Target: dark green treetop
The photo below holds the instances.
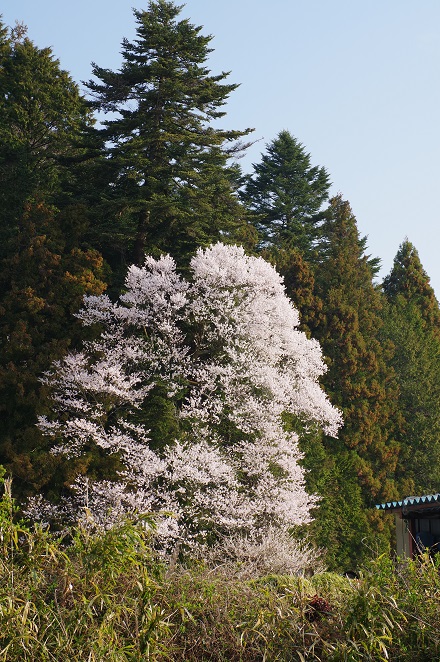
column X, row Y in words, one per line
column 169, row 185
column 285, row 194
column 409, row 279
column 42, row 115
column 412, row 323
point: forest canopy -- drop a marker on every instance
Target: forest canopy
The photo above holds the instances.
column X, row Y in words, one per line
column 218, row 354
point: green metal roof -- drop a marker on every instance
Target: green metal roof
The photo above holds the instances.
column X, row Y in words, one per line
column 410, row 501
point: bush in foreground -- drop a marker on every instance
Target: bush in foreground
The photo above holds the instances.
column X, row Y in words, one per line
column 103, row 596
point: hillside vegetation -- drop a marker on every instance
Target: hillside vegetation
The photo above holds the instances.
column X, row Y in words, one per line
column 107, row 597
column 180, row 337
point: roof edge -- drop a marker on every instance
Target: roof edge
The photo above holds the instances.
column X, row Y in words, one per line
column 409, row 501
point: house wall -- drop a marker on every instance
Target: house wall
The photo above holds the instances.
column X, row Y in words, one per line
column 407, row 530
column 430, row 524
column 403, row 537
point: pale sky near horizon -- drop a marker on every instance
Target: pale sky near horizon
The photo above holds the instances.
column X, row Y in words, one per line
column 356, row 82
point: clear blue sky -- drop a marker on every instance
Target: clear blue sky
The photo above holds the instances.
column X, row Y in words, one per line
column 356, row 82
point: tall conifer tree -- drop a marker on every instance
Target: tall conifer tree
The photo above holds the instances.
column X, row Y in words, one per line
column 45, row 265
column 42, row 116
column 409, row 279
column 170, row 188
column 361, row 384
column 285, row 194
column 358, row 375
column 412, row 322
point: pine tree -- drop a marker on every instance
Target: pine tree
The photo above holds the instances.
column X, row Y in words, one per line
column 360, row 382
column 42, row 286
column 42, row 116
column 409, row 279
column 285, row 194
column 169, row 184
column 45, row 264
column 412, row 323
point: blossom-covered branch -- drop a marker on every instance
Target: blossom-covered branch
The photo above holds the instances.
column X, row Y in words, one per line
column 223, row 350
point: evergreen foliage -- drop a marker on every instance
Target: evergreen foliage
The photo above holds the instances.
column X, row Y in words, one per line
column 45, row 265
column 412, row 323
column 299, row 281
column 409, row 279
column 42, row 116
column 170, row 187
column 360, row 381
column 42, row 286
column 285, row 194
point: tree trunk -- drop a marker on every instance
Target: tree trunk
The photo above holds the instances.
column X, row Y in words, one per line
column 141, row 237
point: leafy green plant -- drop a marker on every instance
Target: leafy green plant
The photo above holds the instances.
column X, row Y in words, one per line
column 105, row 596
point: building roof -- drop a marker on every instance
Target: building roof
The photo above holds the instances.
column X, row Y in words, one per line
column 412, row 501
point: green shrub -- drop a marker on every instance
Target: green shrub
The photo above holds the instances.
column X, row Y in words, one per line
column 104, row 596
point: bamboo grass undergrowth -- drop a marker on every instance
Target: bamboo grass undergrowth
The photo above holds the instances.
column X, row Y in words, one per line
column 106, row 595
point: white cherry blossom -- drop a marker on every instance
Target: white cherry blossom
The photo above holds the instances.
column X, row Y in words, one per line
column 225, row 348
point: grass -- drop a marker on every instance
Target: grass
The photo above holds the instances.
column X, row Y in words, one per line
column 105, row 596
